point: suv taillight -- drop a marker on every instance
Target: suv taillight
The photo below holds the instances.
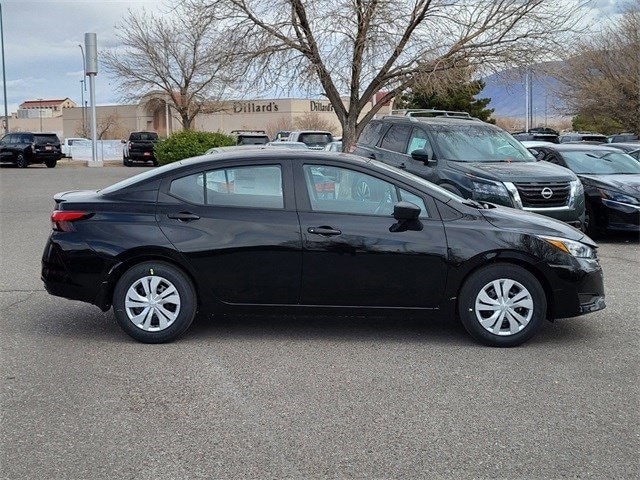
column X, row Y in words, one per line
column 61, row 220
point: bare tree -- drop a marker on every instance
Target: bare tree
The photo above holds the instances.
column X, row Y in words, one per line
column 358, row 48
column 314, row 121
column 280, row 124
column 107, row 128
column 601, row 76
column 178, row 55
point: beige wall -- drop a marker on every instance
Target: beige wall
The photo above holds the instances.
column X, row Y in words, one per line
column 49, row 124
column 237, row 115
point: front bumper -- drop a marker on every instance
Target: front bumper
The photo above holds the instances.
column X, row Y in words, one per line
column 621, row 216
column 578, row 289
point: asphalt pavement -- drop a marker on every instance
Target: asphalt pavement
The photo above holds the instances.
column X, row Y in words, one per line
column 302, row 397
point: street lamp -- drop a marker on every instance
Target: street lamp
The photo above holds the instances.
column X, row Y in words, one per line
column 83, row 89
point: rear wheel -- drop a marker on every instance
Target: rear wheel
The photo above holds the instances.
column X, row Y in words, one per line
column 50, row 163
column 502, row 305
column 154, row 302
column 21, row 161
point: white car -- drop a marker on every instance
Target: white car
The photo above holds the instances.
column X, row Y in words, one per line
column 68, row 143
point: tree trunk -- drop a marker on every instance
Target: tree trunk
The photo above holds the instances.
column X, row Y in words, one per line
column 349, row 130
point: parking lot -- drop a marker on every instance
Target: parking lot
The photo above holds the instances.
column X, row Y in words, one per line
column 302, row 396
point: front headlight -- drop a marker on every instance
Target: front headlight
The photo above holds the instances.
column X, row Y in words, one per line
column 571, row 247
column 490, row 191
column 618, row 197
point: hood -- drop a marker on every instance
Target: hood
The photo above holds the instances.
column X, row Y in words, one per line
column 515, row 171
column 506, row 218
column 628, row 184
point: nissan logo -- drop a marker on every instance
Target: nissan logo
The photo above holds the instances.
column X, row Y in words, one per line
column 547, row 193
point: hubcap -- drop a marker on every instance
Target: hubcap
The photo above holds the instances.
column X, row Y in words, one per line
column 504, row 307
column 152, row 303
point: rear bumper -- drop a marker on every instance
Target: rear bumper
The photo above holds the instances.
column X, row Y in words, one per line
column 141, row 156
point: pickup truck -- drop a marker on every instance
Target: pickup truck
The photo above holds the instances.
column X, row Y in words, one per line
column 68, row 143
column 139, row 148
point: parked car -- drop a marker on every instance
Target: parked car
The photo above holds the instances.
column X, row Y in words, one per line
column 630, row 148
column 140, row 148
column 473, row 159
column 290, row 145
column 67, row 144
column 250, row 231
column 335, row 146
column 611, row 182
column 234, row 148
column 26, row 148
column 314, row 139
column 536, row 136
column 583, row 137
column 250, row 137
column 622, row 138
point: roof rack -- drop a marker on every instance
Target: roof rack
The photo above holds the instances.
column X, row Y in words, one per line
column 430, row 113
column 247, row 131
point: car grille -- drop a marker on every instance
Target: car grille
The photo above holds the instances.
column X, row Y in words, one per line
column 532, row 196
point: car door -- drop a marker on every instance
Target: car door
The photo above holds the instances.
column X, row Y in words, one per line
column 5, row 148
column 353, row 255
column 237, row 226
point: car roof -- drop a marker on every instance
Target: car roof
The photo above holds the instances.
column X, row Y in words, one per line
column 437, row 121
column 580, row 147
column 536, row 143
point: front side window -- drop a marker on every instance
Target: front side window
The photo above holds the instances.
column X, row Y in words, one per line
column 418, row 141
column 371, row 133
column 339, row 190
column 396, row 138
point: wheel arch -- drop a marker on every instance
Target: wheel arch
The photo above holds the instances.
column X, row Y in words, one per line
column 135, row 257
column 512, row 258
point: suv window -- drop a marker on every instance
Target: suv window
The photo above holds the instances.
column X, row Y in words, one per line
column 252, row 139
column 41, row 139
column 418, row 141
column 315, row 139
column 371, row 133
column 396, row 138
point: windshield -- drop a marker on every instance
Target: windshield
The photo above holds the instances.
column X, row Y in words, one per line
column 479, row 143
column 601, row 163
column 315, row 139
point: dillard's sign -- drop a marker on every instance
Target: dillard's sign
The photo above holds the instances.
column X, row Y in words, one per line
column 320, row 107
column 253, row 107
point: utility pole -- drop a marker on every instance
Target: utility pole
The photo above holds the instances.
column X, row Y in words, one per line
column 4, row 78
column 84, row 84
column 84, row 125
column 91, row 69
column 40, row 113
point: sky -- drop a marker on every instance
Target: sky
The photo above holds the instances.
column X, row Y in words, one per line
column 41, row 38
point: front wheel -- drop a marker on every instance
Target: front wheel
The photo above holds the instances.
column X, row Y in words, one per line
column 50, row 163
column 154, row 302
column 21, row 161
column 502, row 305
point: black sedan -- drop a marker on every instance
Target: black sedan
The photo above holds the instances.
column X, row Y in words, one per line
column 611, row 181
column 273, row 230
column 630, row 148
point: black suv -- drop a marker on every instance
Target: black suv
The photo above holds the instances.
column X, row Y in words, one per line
column 25, row 148
column 251, row 137
column 473, row 159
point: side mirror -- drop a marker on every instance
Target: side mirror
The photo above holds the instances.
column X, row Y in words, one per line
column 425, row 156
column 406, row 211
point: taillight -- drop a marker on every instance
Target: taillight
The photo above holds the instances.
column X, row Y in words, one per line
column 61, row 220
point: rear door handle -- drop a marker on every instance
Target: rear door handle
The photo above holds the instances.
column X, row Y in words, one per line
column 183, row 216
column 324, row 231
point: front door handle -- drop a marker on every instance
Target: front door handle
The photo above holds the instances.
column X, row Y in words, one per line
column 324, row 231
column 183, row 216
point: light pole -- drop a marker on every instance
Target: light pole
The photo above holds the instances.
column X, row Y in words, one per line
column 84, row 85
column 40, row 113
column 4, row 78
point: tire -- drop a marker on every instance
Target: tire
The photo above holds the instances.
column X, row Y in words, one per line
column 591, row 226
column 21, row 161
column 155, row 163
column 50, row 163
column 125, row 161
column 160, row 322
column 518, row 324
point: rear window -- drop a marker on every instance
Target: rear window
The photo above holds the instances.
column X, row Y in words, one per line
column 43, row 138
column 315, row 139
column 142, row 136
column 252, row 139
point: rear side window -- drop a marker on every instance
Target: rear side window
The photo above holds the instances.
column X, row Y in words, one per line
column 42, row 139
column 248, row 187
column 371, row 133
column 396, row 138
